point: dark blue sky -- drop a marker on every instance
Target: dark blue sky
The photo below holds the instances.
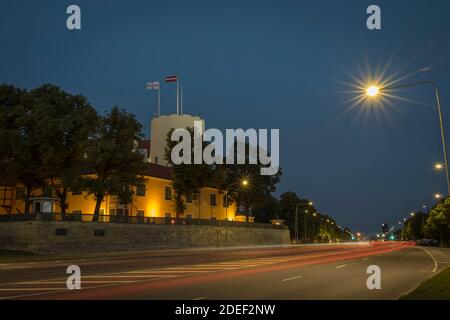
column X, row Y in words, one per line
column 260, row 64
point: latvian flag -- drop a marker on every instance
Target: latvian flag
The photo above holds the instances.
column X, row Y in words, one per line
column 172, row 79
column 153, row 85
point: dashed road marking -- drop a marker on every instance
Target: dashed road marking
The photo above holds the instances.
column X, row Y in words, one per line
column 293, row 278
column 341, row 266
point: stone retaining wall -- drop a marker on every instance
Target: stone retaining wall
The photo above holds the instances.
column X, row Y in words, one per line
column 57, row 237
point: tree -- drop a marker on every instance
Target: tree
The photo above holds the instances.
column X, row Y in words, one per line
column 438, row 222
column 244, row 183
column 20, row 154
column 413, row 228
column 117, row 163
column 64, row 124
column 190, row 178
column 267, row 210
column 287, row 203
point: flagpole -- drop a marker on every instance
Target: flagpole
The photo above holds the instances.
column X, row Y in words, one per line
column 159, row 100
column 181, row 98
column 178, row 94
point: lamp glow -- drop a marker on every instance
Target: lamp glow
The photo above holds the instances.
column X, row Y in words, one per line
column 372, row 91
column 438, row 166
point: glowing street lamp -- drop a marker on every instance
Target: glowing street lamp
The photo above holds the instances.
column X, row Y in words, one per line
column 372, row 91
column 245, row 182
column 438, row 196
column 412, row 214
column 439, row 166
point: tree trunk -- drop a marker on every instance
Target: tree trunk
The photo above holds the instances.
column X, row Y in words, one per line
column 98, row 204
column 63, row 201
column 27, row 199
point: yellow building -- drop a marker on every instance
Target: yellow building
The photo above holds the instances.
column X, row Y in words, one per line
column 156, row 200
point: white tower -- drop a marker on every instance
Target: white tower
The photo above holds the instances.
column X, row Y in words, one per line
column 161, row 126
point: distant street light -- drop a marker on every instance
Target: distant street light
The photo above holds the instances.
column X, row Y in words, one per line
column 439, row 166
column 245, row 182
column 438, row 196
column 412, row 214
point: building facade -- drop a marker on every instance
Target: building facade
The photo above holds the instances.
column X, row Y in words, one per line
column 155, row 199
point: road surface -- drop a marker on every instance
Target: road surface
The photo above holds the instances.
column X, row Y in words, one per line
column 336, row 271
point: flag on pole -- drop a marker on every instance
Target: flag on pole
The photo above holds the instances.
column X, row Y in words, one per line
column 172, row 79
column 154, row 85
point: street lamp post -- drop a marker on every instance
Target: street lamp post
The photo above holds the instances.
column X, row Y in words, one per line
column 372, row 91
column 296, row 224
column 245, row 185
column 306, row 212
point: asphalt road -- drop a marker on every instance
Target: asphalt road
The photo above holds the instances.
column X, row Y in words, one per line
column 296, row 272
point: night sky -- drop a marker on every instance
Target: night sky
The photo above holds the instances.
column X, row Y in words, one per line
column 262, row 64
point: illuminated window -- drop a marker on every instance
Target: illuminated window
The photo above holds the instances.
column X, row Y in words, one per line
column 213, row 199
column 20, row 193
column 189, row 216
column 140, row 190
column 168, row 193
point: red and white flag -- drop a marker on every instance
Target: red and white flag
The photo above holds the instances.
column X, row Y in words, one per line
column 172, row 79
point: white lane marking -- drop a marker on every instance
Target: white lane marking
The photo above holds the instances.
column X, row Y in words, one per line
column 194, row 268
column 165, row 271
column 365, row 259
column 443, row 262
column 341, row 266
column 134, row 276
column 31, row 289
column 293, row 278
column 431, row 256
column 64, row 282
column 199, row 298
column 219, row 266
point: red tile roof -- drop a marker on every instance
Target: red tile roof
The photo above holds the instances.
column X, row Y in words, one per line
column 150, row 170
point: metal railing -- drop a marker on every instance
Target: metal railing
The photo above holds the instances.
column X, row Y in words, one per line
column 89, row 218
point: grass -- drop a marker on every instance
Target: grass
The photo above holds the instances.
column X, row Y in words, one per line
column 436, row 288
